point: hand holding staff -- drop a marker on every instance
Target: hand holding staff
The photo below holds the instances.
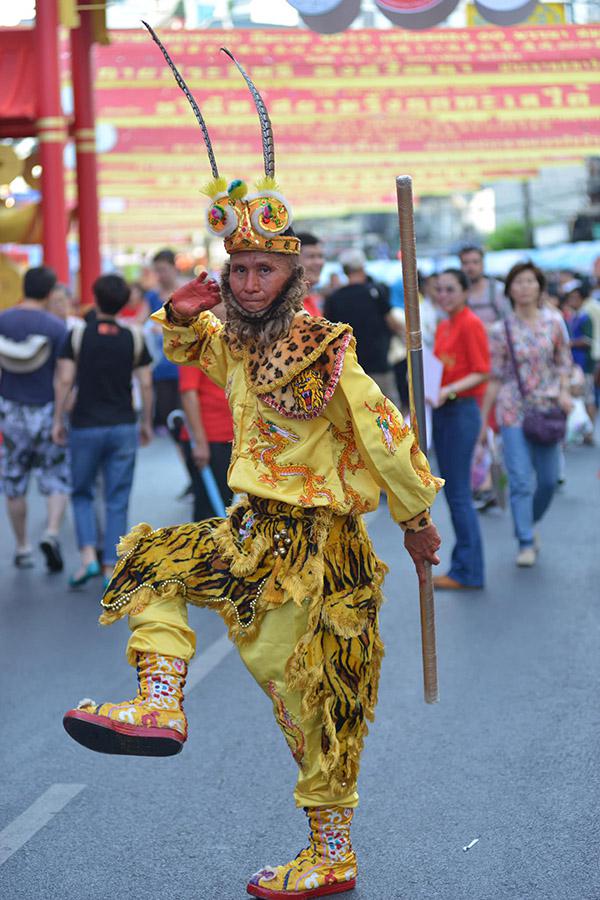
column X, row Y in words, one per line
column 416, row 386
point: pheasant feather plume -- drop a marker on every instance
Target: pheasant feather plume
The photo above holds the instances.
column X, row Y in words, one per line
column 263, row 116
column 192, row 102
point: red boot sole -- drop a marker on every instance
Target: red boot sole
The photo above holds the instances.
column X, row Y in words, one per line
column 327, row 889
column 104, row 735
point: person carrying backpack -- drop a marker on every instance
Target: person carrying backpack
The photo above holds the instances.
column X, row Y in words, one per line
column 99, row 359
column 486, row 295
column 30, row 340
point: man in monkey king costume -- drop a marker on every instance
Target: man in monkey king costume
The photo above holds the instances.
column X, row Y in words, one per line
column 291, row 569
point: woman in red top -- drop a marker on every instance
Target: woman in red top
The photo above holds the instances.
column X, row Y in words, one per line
column 210, row 426
column 137, row 309
column 461, row 344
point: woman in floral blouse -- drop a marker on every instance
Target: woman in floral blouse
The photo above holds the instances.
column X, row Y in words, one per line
column 544, row 359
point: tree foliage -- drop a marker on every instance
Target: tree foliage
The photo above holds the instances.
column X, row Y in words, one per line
column 510, row 236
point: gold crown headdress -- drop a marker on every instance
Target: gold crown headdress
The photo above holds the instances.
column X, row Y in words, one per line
column 245, row 222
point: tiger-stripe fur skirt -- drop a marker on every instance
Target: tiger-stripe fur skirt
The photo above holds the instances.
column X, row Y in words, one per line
column 300, row 591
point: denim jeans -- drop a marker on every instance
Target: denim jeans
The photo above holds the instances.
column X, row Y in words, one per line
column 110, row 450
column 533, row 472
column 456, row 426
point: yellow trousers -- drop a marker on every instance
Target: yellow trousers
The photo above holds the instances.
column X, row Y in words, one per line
column 304, row 621
column 163, row 628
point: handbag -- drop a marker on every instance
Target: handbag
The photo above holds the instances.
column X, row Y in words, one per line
column 541, row 426
column 23, row 357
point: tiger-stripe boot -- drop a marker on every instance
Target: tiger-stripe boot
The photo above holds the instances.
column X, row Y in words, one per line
column 152, row 724
column 327, row 866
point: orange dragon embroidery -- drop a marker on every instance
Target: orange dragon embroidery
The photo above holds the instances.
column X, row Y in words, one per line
column 292, row 733
column 197, row 351
column 277, row 439
column 349, row 461
column 392, row 430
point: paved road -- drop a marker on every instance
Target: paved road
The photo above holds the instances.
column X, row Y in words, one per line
column 510, row 755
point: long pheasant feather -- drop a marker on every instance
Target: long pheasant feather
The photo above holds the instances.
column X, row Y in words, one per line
column 263, row 115
column 192, row 102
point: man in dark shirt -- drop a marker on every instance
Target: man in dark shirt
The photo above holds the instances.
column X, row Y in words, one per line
column 31, row 338
column 365, row 306
column 100, row 360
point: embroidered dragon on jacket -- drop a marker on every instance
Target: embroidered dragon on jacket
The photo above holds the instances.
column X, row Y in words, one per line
column 276, row 440
column 351, row 461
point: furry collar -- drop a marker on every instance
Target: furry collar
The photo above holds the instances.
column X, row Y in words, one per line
column 298, row 373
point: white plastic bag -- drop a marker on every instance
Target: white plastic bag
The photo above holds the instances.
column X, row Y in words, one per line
column 579, row 424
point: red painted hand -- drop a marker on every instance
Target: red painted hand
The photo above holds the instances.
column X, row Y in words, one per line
column 196, row 296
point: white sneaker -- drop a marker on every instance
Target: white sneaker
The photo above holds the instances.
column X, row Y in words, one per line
column 537, row 544
column 526, row 556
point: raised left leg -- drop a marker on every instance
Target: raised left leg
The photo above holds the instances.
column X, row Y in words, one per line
column 153, row 723
column 158, row 573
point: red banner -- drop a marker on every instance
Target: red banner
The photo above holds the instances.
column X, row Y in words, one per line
column 17, row 76
column 454, row 108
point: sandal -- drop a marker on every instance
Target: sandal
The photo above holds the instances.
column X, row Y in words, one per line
column 24, row 559
column 91, row 571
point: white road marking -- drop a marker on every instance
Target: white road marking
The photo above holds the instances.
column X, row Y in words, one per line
column 35, row 817
column 42, row 810
column 207, row 661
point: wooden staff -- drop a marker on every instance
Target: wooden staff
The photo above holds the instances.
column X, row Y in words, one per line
column 416, row 387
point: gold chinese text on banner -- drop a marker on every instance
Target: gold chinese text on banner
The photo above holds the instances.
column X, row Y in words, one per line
column 455, row 107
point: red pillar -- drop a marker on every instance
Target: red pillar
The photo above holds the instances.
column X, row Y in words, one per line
column 85, row 145
column 52, row 135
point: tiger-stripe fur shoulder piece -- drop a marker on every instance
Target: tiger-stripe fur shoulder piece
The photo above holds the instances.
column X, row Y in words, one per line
column 298, row 374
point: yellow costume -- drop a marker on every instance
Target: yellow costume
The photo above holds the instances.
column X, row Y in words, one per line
column 311, row 429
column 291, row 568
column 295, row 546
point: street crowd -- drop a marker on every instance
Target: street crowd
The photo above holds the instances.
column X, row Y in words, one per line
column 520, row 378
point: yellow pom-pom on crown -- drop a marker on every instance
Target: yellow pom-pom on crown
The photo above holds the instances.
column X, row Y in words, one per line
column 237, row 189
column 215, row 187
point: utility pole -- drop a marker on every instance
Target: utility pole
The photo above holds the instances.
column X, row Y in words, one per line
column 527, row 220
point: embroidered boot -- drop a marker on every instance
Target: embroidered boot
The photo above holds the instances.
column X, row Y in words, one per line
column 152, row 724
column 326, row 866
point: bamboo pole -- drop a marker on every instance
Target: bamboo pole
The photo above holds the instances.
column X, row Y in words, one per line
column 414, row 346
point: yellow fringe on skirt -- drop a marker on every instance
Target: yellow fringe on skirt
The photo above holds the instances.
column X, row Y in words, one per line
column 265, row 554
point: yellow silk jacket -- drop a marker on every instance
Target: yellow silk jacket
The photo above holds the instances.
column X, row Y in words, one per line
column 310, row 427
